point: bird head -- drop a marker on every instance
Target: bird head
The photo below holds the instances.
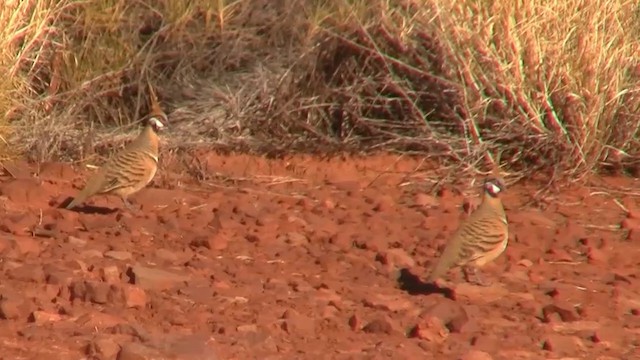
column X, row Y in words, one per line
column 494, row 185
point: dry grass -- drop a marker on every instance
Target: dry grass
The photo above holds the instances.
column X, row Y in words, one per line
column 552, row 88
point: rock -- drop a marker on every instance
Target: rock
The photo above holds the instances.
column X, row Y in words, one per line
column 381, row 325
column 14, row 308
column 134, row 297
column 396, row 258
column 118, row 255
column 388, row 303
column 488, row 342
column 197, row 293
column 77, row 242
column 293, row 238
column 425, row 200
column 565, row 311
column 486, row 294
column 110, row 274
column 218, row 241
column 596, row 256
column 476, row 355
column 384, row 203
column 451, row 313
column 103, row 347
column 57, row 275
column 27, row 245
column 190, row 347
column 251, row 335
column 99, row 320
column 430, row 329
column 609, row 336
column 167, row 255
column 354, row 322
column 298, row 324
column 562, row 344
column 247, row 328
column 43, row 317
column 136, row 351
column 157, row 279
column 88, row 254
column 94, row 291
column 525, row 263
column 28, row 273
column 630, row 223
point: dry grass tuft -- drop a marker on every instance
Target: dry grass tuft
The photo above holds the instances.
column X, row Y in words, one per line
column 553, row 88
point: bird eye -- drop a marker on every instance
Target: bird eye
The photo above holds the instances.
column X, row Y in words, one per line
column 156, row 123
column 493, row 188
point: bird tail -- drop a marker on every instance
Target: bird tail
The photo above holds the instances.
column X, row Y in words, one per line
column 437, row 270
column 91, row 187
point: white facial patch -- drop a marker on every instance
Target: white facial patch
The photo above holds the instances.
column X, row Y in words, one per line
column 492, row 188
column 156, row 123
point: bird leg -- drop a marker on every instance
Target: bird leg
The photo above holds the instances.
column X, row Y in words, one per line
column 127, row 204
column 472, row 275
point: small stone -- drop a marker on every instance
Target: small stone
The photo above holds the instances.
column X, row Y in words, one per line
column 293, row 238
column 354, row 322
column 158, row 279
column 609, row 336
column 58, row 276
column 28, row 273
column 103, row 347
column 476, row 355
column 94, row 291
column 247, row 328
column 380, row 325
column 134, row 297
column 560, row 255
column 99, row 320
column 630, row 223
column 425, row 200
column 565, row 311
column 596, row 256
column 167, row 255
column 388, row 303
column 562, row 344
column 136, row 351
column 296, row 323
column 526, row 263
column 488, row 342
column 190, row 347
column 431, row 329
column 396, row 258
column 42, row 317
column 385, row 203
column 217, row 241
column 27, row 245
column 633, row 235
column 77, row 242
column 451, row 313
column 110, row 274
column 88, row 254
column 118, row 255
column 329, row 204
column 13, row 308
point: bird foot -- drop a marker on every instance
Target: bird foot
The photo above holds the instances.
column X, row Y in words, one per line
column 473, row 276
column 128, row 205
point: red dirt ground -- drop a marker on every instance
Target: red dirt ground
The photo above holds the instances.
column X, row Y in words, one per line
column 309, row 259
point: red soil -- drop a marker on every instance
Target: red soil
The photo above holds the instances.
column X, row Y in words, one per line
column 309, row 259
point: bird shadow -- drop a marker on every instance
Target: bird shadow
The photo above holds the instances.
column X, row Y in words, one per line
column 87, row 209
column 414, row 286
